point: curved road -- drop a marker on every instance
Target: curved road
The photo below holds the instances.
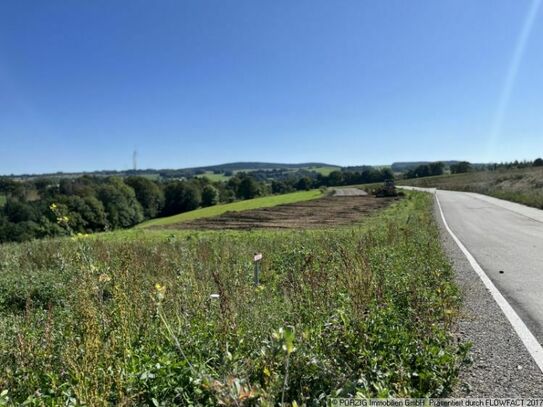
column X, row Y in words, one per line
column 506, row 239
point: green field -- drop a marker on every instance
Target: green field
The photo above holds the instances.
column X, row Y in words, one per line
column 214, row 177
column 2, row 200
column 216, row 210
column 523, row 185
column 363, row 311
column 323, row 170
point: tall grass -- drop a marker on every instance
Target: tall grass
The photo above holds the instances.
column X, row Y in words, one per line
column 364, row 311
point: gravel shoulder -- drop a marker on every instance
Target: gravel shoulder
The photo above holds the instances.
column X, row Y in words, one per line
column 501, row 365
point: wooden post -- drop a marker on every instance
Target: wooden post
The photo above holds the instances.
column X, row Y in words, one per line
column 257, row 259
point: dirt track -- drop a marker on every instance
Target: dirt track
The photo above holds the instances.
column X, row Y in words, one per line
column 322, row 212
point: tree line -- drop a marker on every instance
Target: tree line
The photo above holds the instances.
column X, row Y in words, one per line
column 438, row 167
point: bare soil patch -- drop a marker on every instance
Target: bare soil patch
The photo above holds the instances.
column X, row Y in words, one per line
column 323, row 212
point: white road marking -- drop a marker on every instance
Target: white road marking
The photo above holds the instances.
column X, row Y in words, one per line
column 527, row 338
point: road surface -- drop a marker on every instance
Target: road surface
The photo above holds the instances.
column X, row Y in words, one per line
column 506, row 240
column 349, row 192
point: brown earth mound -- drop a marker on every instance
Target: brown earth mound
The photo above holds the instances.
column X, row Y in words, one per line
column 322, row 212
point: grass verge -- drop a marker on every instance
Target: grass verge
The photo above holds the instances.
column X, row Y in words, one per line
column 264, row 202
column 524, row 185
column 363, row 311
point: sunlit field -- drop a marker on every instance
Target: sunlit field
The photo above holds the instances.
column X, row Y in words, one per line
column 176, row 318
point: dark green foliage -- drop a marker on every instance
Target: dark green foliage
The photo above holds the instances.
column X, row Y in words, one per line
column 304, row 184
column 210, row 195
column 461, row 167
column 181, row 197
column 247, row 188
column 538, row 162
column 17, row 211
column 148, row 194
column 427, row 170
column 281, row 187
column 119, row 200
column 87, row 214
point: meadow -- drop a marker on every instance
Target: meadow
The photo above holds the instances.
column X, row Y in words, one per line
column 521, row 185
column 174, row 318
column 255, row 203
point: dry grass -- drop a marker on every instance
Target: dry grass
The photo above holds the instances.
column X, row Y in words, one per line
column 524, row 185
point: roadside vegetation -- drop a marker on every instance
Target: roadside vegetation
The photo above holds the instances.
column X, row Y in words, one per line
column 521, row 185
column 175, row 319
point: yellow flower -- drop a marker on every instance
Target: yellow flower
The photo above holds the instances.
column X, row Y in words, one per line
column 160, row 291
column 53, row 206
column 104, row 278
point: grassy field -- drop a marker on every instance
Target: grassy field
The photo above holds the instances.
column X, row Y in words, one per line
column 324, row 170
column 215, row 177
column 524, row 185
column 215, row 210
column 176, row 320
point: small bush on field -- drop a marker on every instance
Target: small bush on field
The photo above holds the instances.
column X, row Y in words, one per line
column 362, row 311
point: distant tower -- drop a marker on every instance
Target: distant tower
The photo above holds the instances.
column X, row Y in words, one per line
column 135, row 160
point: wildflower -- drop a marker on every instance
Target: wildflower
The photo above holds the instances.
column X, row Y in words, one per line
column 160, row 291
column 104, row 278
column 53, row 206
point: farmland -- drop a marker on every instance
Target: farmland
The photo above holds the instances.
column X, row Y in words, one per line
column 364, row 310
column 216, row 210
column 330, row 211
column 521, row 185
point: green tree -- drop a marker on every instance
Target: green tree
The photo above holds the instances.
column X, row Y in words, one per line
column 210, row 195
column 461, row 167
column 304, row 184
column 119, row 200
column 148, row 194
column 436, row 168
column 335, row 178
column 181, row 197
column 248, row 188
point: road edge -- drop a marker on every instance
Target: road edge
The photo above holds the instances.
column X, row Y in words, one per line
column 501, row 365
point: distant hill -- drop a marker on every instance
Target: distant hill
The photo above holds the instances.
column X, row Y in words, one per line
column 189, row 172
column 248, row 166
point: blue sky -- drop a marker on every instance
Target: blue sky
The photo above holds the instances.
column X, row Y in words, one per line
column 197, row 82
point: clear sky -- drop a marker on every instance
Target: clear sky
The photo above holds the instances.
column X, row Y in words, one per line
column 197, row 82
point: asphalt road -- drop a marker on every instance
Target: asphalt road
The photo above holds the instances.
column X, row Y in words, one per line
column 506, row 239
column 349, row 192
